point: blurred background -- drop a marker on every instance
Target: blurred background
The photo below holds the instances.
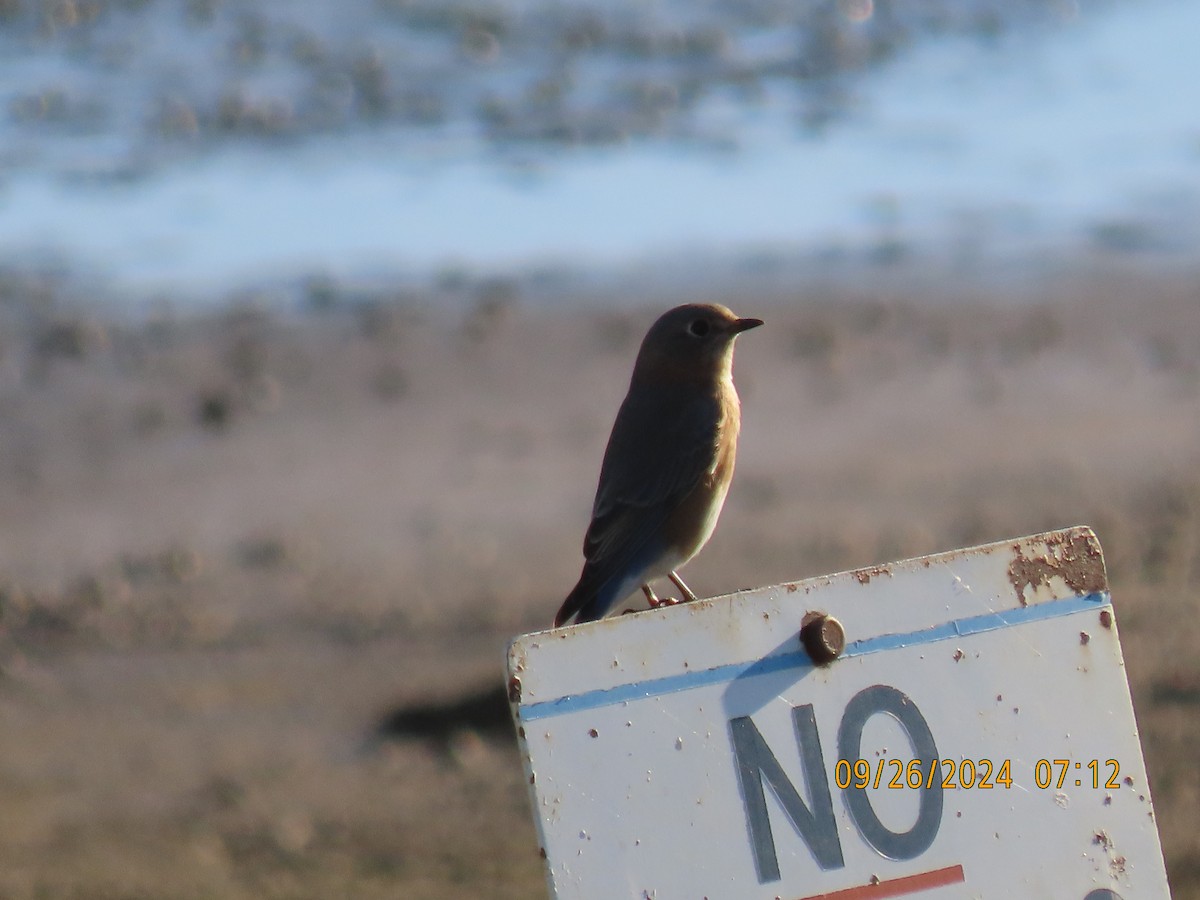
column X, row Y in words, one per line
column 314, row 318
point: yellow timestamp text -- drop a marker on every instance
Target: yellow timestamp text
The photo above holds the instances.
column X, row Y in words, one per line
column 969, row 774
column 1093, row 773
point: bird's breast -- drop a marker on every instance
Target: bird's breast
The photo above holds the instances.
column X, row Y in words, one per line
column 696, row 517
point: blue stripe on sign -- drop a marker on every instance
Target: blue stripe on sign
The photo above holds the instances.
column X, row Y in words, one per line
column 798, row 660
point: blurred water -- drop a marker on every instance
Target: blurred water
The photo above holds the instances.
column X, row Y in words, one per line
column 190, row 151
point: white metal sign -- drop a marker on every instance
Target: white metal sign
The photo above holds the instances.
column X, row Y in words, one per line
column 975, row 739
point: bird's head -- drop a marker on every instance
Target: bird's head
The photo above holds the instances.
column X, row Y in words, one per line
column 691, row 341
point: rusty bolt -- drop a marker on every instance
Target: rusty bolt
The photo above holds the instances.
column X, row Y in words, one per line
column 823, row 637
column 1084, row 637
column 1106, row 618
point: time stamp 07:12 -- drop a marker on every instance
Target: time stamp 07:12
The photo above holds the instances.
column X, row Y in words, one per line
column 967, row 774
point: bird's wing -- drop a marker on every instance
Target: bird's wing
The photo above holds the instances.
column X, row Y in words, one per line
column 662, row 445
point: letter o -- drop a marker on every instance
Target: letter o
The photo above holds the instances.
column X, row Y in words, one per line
column 882, row 698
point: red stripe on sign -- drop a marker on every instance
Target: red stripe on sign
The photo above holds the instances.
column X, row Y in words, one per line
column 897, row 887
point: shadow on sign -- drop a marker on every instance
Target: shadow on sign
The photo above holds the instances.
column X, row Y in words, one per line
column 751, row 690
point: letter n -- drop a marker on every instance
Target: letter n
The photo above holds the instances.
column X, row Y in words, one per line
column 756, row 763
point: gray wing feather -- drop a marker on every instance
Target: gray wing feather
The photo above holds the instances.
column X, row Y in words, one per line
column 662, row 444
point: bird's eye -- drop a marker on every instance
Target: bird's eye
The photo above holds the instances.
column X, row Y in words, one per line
column 698, row 328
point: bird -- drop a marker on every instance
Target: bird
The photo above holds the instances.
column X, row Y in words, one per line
column 668, row 463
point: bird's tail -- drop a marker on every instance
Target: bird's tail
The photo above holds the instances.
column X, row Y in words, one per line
column 576, row 600
column 602, row 586
column 591, row 598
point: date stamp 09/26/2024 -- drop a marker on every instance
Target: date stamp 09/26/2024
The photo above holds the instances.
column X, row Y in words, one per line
column 981, row 774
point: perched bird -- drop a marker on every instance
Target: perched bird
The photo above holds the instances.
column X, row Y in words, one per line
column 668, row 464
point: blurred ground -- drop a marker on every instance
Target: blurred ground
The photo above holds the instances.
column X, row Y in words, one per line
column 258, row 569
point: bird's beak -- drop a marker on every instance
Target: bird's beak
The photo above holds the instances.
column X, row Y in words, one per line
column 740, row 325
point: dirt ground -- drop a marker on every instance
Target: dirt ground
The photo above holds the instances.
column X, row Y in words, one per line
column 258, row 569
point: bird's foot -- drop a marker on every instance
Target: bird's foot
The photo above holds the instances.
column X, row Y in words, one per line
column 688, row 596
column 656, row 601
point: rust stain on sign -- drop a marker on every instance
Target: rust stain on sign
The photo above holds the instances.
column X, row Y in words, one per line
column 1073, row 556
column 864, row 576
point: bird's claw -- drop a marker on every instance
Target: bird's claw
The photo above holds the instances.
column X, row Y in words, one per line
column 656, row 602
